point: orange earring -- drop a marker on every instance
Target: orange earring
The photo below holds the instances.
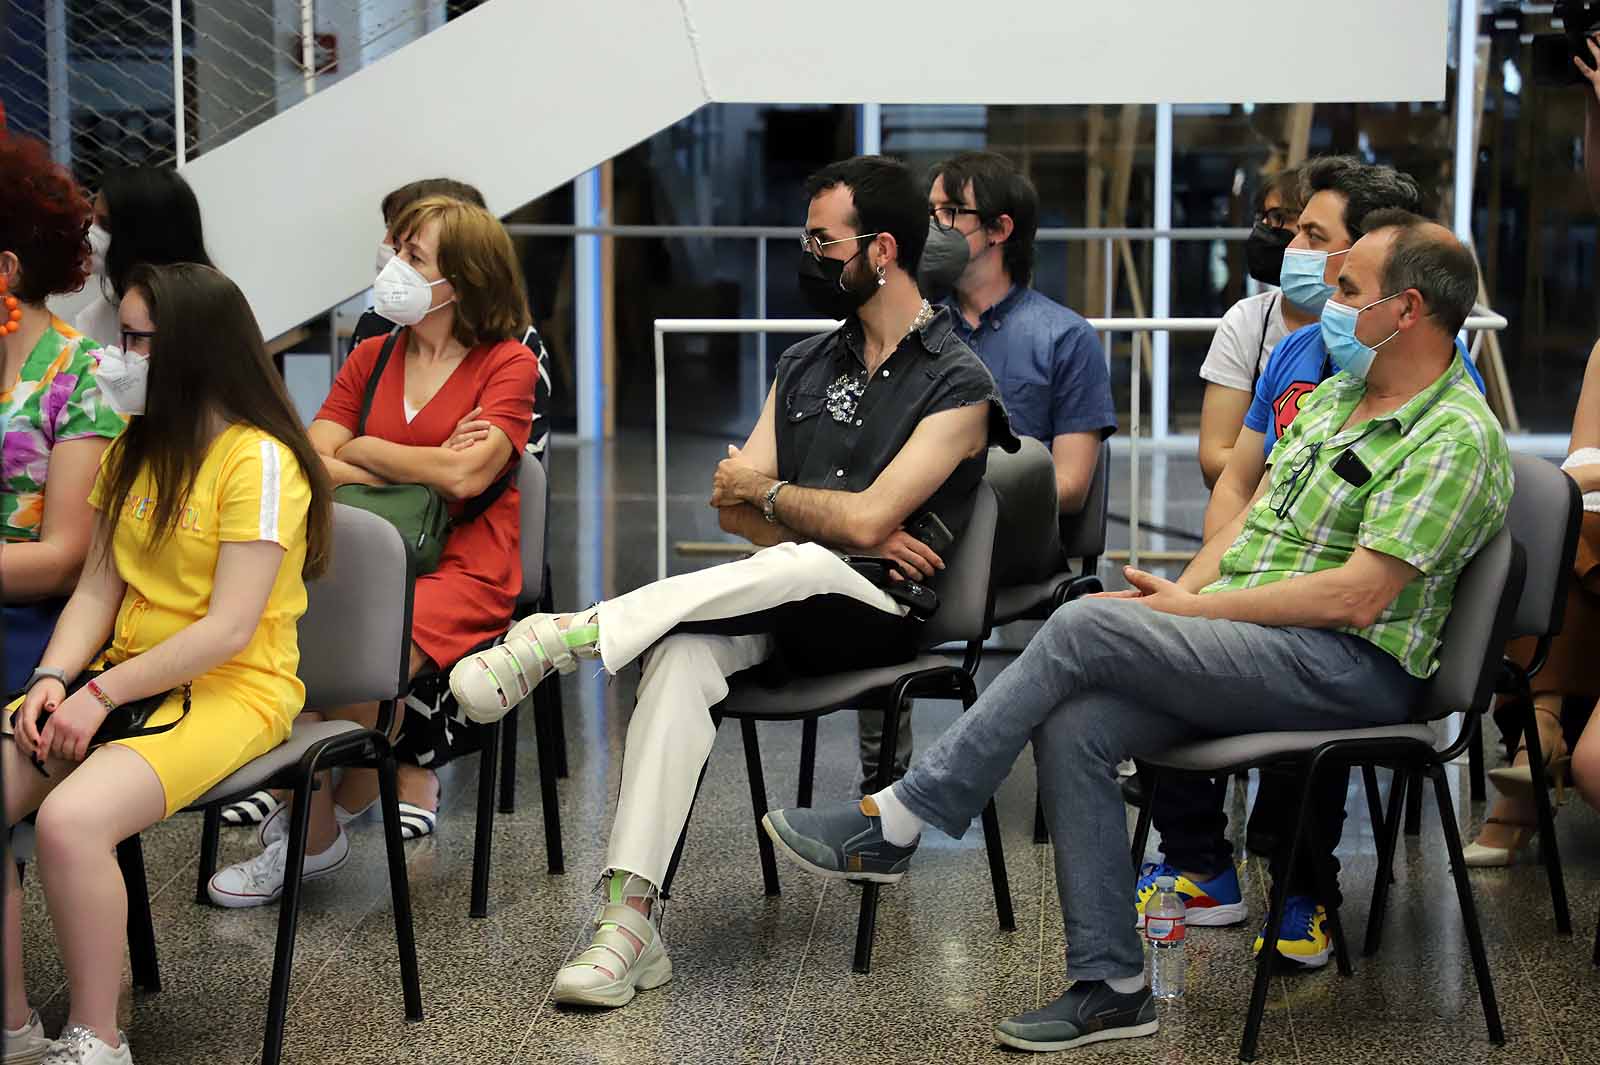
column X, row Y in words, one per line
column 13, row 317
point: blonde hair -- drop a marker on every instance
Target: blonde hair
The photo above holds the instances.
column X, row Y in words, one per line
column 478, row 259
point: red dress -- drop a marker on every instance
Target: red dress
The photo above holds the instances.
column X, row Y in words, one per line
column 469, row 599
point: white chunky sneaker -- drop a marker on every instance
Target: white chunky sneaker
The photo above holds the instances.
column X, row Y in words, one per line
column 488, row 684
column 26, row 1045
column 79, row 1045
column 612, row 969
column 259, row 880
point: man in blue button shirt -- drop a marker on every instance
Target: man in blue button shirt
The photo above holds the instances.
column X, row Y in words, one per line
column 1046, row 359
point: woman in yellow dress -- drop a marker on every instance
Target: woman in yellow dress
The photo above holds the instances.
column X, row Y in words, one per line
column 212, row 510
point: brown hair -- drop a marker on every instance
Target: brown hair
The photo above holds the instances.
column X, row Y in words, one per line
column 477, row 257
column 406, row 195
column 206, row 358
column 1286, row 183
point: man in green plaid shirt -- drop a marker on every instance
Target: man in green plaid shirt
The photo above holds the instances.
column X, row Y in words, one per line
column 1320, row 607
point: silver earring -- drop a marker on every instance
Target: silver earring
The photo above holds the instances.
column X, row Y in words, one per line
column 881, row 279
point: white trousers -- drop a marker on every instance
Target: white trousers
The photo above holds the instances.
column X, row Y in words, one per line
column 685, row 675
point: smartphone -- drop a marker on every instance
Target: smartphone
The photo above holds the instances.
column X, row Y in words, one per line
column 931, row 531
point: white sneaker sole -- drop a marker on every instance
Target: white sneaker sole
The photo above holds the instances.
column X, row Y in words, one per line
column 818, row 870
column 1131, row 1032
column 1211, row 916
column 230, row 901
column 647, row 975
column 26, row 1057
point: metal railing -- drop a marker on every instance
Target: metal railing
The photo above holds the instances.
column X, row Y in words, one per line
column 1108, row 236
column 118, row 83
column 811, row 326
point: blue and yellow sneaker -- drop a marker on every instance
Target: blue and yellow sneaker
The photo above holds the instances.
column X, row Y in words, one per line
column 1304, row 938
column 1207, row 903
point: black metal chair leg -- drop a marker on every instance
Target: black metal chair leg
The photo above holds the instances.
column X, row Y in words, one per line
column 1475, row 771
column 1385, row 875
column 141, row 926
column 399, row 889
column 888, row 742
column 508, row 760
column 558, row 723
column 545, row 754
column 1141, row 830
column 997, row 868
column 209, row 832
column 1547, row 818
column 808, row 762
column 289, row 918
column 1274, row 925
column 758, row 803
column 1369, row 778
column 1041, row 831
column 1469, row 910
column 1414, row 804
column 483, row 835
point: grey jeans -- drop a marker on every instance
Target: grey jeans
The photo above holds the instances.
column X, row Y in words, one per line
column 1108, row 679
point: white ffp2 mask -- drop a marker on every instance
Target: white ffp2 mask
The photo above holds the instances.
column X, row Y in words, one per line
column 123, row 378
column 402, row 295
column 99, row 244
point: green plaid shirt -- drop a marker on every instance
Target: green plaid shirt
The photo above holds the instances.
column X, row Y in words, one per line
column 1440, row 485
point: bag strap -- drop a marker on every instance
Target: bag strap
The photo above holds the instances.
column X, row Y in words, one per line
column 372, row 380
column 475, row 507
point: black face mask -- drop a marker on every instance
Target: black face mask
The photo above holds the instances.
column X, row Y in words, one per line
column 1263, row 252
column 822, row 283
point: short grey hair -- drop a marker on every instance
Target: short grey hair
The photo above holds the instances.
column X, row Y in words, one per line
column 1428, row 258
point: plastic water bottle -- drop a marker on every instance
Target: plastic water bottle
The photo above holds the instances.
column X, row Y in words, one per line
column 1164, row 929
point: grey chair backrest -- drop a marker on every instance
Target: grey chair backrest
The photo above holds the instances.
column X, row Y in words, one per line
column 1083, row 535
column 1546, row 513
column 532, row 485
column 964, row 593
column 1480, row 621
column 355, row 636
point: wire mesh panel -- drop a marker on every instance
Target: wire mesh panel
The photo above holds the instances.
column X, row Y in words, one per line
column 102, row 81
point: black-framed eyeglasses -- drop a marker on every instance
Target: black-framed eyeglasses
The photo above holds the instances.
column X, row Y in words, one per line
column 813, row 247
column 1279, row 218
column 134, row 336
column 1287, row 492
column 945, row 218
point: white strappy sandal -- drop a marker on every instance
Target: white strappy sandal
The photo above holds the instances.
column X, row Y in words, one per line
column 612, row 969
column 488, row 684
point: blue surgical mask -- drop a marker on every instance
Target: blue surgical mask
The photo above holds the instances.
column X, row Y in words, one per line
column 1301, row 278
column 1339, row 337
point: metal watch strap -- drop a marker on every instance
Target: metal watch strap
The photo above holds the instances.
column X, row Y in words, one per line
column 46, row 673
column 769, row 508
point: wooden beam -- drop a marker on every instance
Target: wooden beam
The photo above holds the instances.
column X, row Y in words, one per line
column 1297, row 132
column 1094, row 263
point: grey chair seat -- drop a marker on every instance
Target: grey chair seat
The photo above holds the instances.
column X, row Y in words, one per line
column 287, row 755
column 807, row 696
column 1022, row 600
column 1230, row 752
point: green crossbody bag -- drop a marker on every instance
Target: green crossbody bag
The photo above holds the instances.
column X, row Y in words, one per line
column 420, row 513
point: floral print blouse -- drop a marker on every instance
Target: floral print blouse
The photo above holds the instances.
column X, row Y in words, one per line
column 54, row 400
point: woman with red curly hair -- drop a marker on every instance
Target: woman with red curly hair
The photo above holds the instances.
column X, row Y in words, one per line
column 53, row 418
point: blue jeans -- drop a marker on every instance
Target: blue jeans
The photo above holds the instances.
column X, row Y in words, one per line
column 1108, row 679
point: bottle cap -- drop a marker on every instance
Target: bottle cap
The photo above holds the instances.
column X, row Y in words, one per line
column 1165, row 883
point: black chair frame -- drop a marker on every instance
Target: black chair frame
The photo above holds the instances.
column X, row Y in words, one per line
column 945, row 682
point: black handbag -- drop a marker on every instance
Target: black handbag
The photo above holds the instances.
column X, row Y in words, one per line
column 128, row 721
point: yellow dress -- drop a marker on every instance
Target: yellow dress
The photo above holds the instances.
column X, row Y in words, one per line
column 249, row 488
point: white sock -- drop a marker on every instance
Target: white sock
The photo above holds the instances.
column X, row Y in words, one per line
column 1126, row 985
column 900, row 826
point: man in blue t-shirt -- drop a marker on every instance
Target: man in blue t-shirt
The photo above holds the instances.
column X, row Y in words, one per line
column 1047, row 361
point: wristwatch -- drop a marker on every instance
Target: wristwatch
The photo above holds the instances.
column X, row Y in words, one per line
column 46, row 673
column 769, row 506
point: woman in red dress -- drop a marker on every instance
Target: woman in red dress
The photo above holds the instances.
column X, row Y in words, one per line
column 453, row 408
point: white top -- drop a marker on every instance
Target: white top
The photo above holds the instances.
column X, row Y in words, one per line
column 1585, row 456
column 411, row 412
column 1241, row 345
column 101, row 321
